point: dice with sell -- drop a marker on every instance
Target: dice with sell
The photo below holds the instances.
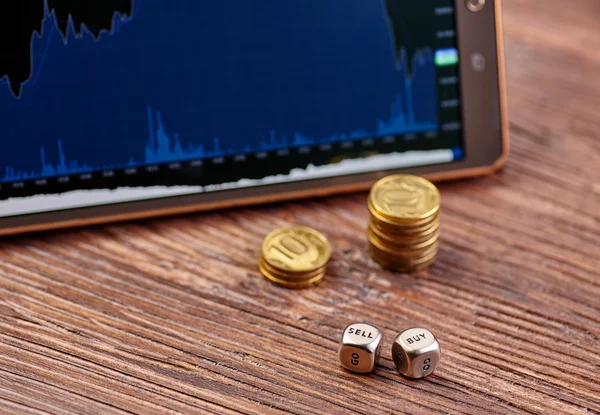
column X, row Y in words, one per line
column 360, row 347
column 416, row 353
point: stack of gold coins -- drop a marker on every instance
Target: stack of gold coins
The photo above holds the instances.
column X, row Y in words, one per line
column 404, row 228
column 294, row 257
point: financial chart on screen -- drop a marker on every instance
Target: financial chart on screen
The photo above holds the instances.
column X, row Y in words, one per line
column 97, row 95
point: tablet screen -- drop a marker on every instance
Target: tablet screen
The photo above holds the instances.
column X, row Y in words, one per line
column 119, row 100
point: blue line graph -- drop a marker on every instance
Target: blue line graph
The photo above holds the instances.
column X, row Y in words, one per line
column 203, row 87
column 49, row 27
column 163, row 148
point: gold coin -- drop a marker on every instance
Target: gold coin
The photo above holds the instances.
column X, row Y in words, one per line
column 408, row 261
column 288, row 276
column 401, row 224
column 291, row 284
column 404, row 198
column 403, row 243
column 380, row 255
column 299, row 249
column 400, row 266
column 398, row 234
column 424, row 265
column 392, row 262
column 401, row 252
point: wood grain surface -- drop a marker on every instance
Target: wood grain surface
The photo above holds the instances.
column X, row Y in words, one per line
column 171, row 315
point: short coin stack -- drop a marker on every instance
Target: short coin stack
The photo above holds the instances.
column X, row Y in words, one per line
column 404, row 228
column 294, row 257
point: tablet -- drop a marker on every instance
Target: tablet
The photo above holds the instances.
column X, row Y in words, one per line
column 122, row 109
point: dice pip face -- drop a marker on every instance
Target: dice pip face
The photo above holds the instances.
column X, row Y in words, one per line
column 360, row 347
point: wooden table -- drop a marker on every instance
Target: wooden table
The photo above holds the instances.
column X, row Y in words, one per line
column 170, row 315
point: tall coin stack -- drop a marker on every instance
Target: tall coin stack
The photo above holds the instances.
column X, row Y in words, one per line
column 404, row 228
column 294, row 257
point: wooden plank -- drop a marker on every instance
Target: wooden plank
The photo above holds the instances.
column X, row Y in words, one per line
column 171, row 315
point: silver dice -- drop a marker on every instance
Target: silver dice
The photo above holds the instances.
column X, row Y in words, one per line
column 360, row 347
column 416, row 353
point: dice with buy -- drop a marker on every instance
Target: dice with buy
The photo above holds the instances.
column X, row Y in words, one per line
column 416, row 353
